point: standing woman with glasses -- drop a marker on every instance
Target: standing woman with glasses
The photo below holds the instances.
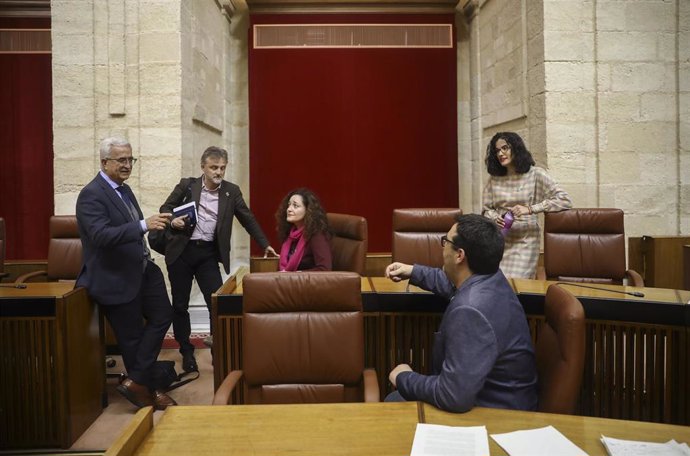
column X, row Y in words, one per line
column 518, row 187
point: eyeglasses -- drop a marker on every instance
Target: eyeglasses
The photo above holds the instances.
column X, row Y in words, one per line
column 445, row 240
column 505, row 148
column 123, row 160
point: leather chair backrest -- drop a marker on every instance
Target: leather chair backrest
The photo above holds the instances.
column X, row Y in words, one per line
column 560, row 352
column 302, row 337
column 349, row 242
column 585, row 245
column 417, row 234
column 64, row 248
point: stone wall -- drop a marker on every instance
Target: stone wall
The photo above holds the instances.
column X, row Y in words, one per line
column 160, row 73
column 600, row 90
column 605, row 90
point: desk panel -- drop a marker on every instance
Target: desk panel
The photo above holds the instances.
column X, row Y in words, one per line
column 305, row 430
column 51, row 366
column 638, row 348
column 379, row 429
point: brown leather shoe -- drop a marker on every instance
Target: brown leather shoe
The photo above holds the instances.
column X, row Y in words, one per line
column 135, row 393
column 161, row 401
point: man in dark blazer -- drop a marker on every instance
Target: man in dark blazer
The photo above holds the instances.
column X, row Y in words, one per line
column 118, row 272
column 194, row 247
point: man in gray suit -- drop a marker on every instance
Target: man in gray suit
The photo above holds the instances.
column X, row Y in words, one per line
column 118, row 271
column 194, row 248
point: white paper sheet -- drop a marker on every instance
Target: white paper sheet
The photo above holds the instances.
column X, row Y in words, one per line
column 438, row 440
column 618, row 447
column 546, row 441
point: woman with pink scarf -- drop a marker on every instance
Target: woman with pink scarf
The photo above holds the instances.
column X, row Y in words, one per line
column 303, row 230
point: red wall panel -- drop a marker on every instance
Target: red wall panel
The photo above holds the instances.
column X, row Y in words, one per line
column 369, row 130
column 26, row 148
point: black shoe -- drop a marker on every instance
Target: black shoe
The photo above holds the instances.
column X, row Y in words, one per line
column 189, row 363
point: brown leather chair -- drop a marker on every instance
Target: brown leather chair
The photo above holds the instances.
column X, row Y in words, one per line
column 417, row 234
column 64, row 251
column 586, row 245
column 3, row 274
column 560, row 352
column 349, row 242
column 302, row 340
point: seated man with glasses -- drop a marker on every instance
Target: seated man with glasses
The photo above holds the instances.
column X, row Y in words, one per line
column 483, row 353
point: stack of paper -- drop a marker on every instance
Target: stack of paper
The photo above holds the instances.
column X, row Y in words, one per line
column 438, row 440
column 537, row 442
column 617, row 447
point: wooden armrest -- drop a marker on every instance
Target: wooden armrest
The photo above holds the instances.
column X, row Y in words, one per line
column 30, row 275
column 371, row 386
column 634, row 279
column 222, row 396
column 133, row 435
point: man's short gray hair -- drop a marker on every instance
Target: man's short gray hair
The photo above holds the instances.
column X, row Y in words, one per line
column 215, row 152
column 108, row 143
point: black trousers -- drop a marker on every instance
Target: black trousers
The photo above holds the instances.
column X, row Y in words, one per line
column 140, row 325
column 198, row 261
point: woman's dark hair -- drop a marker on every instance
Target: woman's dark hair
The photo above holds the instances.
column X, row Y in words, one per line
column 482, row 242
column 315, row 220
column 521, row 157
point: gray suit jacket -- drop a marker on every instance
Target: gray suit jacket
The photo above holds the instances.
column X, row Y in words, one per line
column 230, row 205
column 113, row 252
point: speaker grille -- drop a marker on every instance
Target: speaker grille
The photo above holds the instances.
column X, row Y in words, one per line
column 300, row 36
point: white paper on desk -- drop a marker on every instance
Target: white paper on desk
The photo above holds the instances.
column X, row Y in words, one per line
column 618, row 447
column 439, row 440
column 545, row 441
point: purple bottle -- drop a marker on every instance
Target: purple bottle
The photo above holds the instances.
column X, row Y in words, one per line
column 508, row 222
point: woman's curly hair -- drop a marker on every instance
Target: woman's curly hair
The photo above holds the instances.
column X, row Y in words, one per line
column 315, row 220
column 522, row 158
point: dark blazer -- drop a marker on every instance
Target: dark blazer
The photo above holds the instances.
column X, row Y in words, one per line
column 230, row 205
column 113, row 254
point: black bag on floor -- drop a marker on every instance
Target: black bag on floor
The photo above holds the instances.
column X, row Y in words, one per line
column 165, row 378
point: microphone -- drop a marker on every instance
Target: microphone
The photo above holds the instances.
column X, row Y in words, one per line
column 13, row 285
column 637, row 294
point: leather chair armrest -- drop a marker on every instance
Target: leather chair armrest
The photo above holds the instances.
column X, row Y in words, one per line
column 30, row 275
column 222, row 396
column 371, row 386
column 541, row 273
column 634, row 279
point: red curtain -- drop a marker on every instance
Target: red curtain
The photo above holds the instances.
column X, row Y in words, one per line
column 369, row 130
column 26, row 148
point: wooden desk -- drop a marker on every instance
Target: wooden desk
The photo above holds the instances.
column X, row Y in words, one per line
column 379, row 429
column 638, row 348
column 51, row 365
column 658, row 259
column 302, row 429
column 583, row 431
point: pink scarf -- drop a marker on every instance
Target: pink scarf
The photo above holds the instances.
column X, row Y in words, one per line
column 292, row 263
